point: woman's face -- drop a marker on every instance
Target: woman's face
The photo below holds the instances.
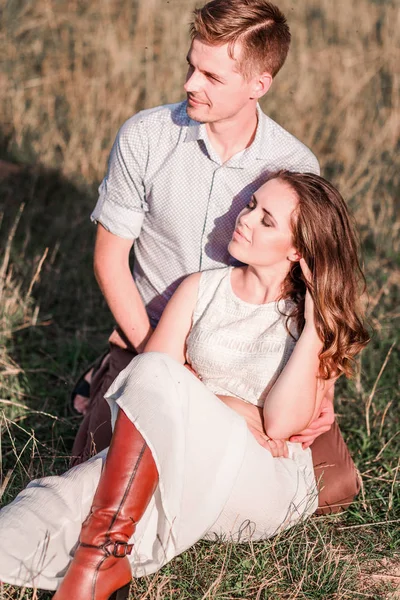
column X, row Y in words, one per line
column 263, row 235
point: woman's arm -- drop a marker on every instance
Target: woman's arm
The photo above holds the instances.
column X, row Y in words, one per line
column 176, row 321
column 296, row 397
column 321, row 424
column 255, row 422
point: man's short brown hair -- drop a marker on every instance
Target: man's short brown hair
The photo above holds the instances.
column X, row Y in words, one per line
column 259, row 26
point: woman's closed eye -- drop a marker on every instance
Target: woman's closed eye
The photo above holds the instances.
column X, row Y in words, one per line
column 266, row 222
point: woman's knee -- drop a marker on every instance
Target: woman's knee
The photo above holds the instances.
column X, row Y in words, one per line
column 154, row 362
column 153, row 373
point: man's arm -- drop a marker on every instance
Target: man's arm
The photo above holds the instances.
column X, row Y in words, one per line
column 112, row 271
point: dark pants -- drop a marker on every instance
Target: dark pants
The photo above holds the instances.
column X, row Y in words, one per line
column 334, row 468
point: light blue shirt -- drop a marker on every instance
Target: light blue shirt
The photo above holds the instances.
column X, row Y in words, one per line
column 167, row 189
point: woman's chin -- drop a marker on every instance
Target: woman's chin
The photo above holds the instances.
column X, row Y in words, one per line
column 235, row 252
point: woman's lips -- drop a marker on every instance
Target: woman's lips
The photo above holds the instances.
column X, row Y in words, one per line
column 238, row 236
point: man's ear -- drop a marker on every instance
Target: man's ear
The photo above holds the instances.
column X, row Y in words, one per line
column 262, row 83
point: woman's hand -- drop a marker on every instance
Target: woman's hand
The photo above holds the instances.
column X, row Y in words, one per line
column 309, row 302
column 278, row 448
column 294, row 400
column 254, row 419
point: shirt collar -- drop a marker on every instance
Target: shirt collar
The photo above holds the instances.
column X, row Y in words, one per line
column 257, row 149
column 197, row 131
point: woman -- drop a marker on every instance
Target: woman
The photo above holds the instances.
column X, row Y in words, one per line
column 204, row 457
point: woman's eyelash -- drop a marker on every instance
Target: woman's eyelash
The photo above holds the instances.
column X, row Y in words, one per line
column 251, row 206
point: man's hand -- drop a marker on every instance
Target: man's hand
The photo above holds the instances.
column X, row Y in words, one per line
column 320, row 425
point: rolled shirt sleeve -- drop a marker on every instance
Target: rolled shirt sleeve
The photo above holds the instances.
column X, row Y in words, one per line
column 122, row 205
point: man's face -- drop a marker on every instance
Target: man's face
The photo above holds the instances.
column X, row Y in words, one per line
column 215, row 89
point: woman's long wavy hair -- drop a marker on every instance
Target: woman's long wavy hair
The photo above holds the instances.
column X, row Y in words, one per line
column 324, row 235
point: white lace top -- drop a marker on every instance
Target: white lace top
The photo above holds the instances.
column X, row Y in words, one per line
column 238, row 348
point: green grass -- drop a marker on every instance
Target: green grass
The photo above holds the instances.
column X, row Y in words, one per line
column 72, row 76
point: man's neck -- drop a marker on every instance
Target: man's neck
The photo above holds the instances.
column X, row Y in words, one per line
column 231, row 136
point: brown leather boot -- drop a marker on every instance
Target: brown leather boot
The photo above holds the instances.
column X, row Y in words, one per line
column 100, row 569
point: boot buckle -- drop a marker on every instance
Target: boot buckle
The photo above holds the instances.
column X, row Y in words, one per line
column 118, row 549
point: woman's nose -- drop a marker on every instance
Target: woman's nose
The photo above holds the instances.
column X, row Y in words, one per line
column 245, row 218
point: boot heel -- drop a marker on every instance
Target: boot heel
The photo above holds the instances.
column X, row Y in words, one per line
column 121, row 594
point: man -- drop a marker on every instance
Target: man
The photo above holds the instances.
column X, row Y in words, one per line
column 178, row 175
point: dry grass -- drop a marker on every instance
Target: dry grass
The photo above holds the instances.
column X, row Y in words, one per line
column 72, row 73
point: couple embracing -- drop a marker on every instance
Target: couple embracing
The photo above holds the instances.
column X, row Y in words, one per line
column 214, row 406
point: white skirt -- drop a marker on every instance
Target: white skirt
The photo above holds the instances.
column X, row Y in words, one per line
column 215, row 481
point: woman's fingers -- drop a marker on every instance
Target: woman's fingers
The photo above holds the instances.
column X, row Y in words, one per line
column 261, row 438
column 283, row 448
column 309, row 304
column 306, row 270
column 276, row 447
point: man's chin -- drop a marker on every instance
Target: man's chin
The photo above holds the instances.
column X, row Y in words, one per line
column 196, row 113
